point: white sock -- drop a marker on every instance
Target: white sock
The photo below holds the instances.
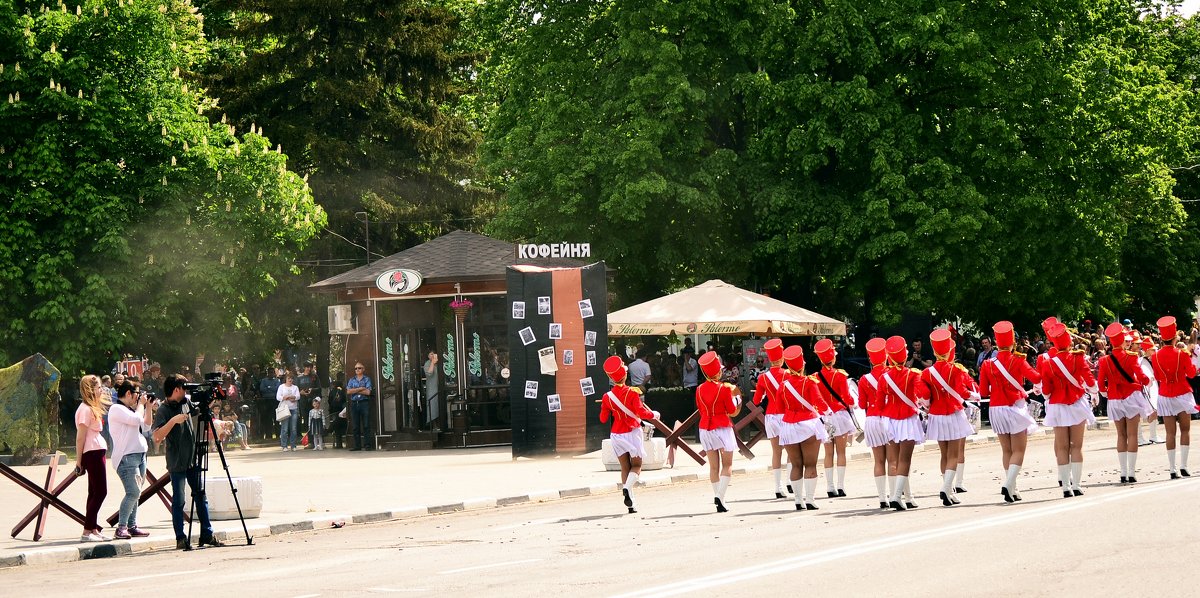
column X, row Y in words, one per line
column 829, row 478
column 1141, row 437
column 948, row 482
column 1064, row 476
column 1010, row 479
column 1124, row 464
column 881, row 486
column 841, row 477
column 810, row 490
column 1171, row 460
column 1131, row 457
column 908, row 490
column 1154, row 429
column 798, row 486
column 898, row 489
column 724, row 483
column 1076, row 475
column 958, row 475
column 631, row 482
column 1183, row 451
column 717, row 489
column 778, row 471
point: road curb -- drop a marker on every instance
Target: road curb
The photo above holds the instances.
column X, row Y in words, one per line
column 324, row 521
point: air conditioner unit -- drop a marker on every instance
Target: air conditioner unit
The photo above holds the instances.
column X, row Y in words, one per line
column 341, row 320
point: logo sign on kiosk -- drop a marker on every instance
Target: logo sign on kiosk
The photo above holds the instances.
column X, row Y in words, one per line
column 400, row 281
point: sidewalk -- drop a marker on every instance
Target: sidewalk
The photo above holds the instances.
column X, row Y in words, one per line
column 308, row 490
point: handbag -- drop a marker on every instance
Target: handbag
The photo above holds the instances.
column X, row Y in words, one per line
column 282, row 412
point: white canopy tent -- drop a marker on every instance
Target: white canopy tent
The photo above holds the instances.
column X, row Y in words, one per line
column 717, row 307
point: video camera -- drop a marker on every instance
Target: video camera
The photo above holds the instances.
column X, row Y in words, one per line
column 200, row 394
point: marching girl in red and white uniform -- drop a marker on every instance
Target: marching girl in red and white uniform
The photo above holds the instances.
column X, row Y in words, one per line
column 950, row 386
column 903, row 394
column 877, row 436
column 1068, row 386
column 803, row 431
column 837, row 393
column 769, row 383
column 717, row 403
column 1002, row 379
column 1121, row 379
column 624, row 405
column 1176, row 403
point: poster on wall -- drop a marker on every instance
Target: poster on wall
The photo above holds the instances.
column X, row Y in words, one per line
column 591, row 358
column 546, row 360
column 527, row 337
column 555, row 330
column 531, row 388
column 518, row 310
column 585, row 308
column 589, row 338
column 543, row 306
column 554, row 403
column 586, row 386
column 568, row 357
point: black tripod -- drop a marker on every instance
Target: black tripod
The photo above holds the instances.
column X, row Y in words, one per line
column 200, row 462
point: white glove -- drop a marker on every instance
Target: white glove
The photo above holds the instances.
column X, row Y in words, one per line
column 657, row 415
column 974, row 396
column 1037, row 389
column 1093, row 390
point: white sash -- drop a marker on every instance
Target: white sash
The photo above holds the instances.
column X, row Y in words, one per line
column 1007, row 376
column 872, row 380
column 1062, row 368
column 899, row 393
column 613, row 397
column 803, row 401
column 772, row 380
column 950, row 391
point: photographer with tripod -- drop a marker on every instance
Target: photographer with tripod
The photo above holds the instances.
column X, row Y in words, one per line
column 174, row 424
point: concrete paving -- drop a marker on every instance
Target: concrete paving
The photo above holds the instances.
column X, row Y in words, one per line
column 310, row 490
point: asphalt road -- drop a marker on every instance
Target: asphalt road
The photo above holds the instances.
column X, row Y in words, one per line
column 1134, row 540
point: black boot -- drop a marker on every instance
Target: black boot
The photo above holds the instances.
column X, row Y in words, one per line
column 720, row 506
column 841, row 493
column 883, row 504
column 946, row 502
column 780, row 495
column 897, row 506
column 959, row 490
column 810, row 506
column 1007, row 496
column 832, row 494
column 1077, row 492
column 1184, row 473
column 628, row 499
column 1067, row 494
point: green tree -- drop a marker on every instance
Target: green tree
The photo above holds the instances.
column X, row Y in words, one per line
column 134, row 224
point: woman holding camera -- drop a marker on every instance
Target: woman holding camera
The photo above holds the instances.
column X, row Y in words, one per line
column 128, row 424
column 89, row 451
column 289, row 394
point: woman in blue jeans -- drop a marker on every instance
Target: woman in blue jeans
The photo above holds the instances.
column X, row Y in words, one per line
column 289, row 394
column 128, row 424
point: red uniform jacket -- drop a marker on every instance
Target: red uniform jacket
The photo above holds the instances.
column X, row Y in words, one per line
column 631, row 397
column 1112, row 383
column 1172, row 368
column 794, row 409
column 840, row 382
column 940, row 401
column 716, row 404
column 870, row 396
column 994, row 385
column 909, row 382
column 764, row 389
column 1055, row 385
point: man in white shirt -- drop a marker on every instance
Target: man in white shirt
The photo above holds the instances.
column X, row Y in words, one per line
column 639, row 371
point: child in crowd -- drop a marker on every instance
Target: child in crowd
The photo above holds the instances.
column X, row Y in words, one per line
column 316, row 426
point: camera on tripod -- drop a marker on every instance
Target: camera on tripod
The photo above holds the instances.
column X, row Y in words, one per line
column 201, row 394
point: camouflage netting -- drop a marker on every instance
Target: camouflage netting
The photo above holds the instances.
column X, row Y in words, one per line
column 29, row 405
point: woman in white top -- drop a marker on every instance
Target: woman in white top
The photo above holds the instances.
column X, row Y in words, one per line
column 90, row 448
column 128, row 424
column 289, row 394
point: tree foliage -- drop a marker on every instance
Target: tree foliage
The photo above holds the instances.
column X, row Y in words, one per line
column 985, row 160
column 134, row 224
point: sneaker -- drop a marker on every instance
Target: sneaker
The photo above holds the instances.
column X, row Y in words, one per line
column 215, row 543
column 138, row 532
column 91, row 537
column 183, row 544
column 122, row 534
column 100, row 534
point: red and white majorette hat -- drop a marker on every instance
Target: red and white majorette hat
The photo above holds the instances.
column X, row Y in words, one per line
column 1116, row 334
column 1049, row 323
column 1059, row 336
column 897, row 349
column 876, row 348
column 774, row 350
column 825, row 351
column 1166, row 328
column 793, row 356
column 941, row 342
column 615, row 368
column 710, row 364
column 1005, row 335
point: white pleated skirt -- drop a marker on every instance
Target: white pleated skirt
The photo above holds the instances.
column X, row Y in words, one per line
column 876, row 430
column 903, row 430
column 1172, row 406
column 948, row 427
column 1012, row 420
column 842, row 423
column 1132, row 406
column 802, row 431
column 1059, row 415
column 719, row 439
column 774, row 424
column 628, row 443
